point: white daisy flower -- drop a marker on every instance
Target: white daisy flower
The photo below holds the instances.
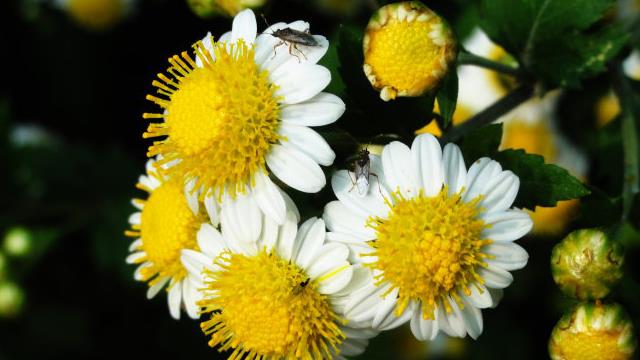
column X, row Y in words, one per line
column 240, row 109
column 437, row 238
column 166, row 223
column 275, row 292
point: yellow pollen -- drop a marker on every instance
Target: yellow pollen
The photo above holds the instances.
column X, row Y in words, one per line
column 96, row 14
column 167, row 226
column 221, row 119
column 407, row 56
column 502, row 83
column 263, row 307
column 429, row 248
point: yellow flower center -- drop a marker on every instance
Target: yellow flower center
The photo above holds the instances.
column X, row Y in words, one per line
column 264, row 307
column 429, row 248
column 534, row 138
column 406, row 56
column 599, row 345
column 220, row 119
column 96, row 14
column 607, row 109
column 167, row 226
column 502, row 83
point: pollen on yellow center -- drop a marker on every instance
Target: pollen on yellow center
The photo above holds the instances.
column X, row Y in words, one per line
column 96, row 14
column 407, row 50
column 167, row 226
column 220, row 119
column 267, row 308
column 429, row 248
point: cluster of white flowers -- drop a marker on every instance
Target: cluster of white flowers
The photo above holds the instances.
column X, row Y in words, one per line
column 425, row 241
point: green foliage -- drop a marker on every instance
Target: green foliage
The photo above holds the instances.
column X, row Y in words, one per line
column 484, row 141
column 447, row 97
column 559, row 41
column 540, row 184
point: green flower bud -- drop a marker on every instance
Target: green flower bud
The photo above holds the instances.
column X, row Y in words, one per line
column 408, row 50
column 587, row 264
column 593, row 332
column 11, row 299
column 17, row 242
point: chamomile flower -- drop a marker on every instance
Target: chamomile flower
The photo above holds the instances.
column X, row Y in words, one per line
column 239, row 109
column 274, row 291
column 437, row 238
column 96, row 14
column 167, row 222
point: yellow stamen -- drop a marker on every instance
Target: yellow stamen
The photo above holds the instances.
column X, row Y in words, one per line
column 264, row 307
column 429, row 248
column 220, row 119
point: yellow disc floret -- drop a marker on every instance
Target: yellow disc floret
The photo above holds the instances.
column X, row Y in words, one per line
column 429, row 248
column 220, row 119
column 263, row 307
column 407, row 50
column 96, row 14
column 167, row 225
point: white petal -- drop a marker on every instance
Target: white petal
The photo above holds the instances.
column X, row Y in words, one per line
column 335, row 281
column 190, row 298
column 269, row 235
column 212, row 207
column 287, row 237
column 385, row 318
column 244, row 27
column 495, row 277
column 479, row 297
column 455, row 325
column 134, row 219
column 195, row 262
column 136, row 257
column 508, row 256
column 322, row 109
column 455, row 172
column 360, row 278
column 341, row 219
column 175, row 295
column 501, row 192
column 352, row 347
column 472, row 318
column 137, row 274
column 266, row 47
column 242, row 217
column 398, row 169
column 226, row 37
column 192, row 196
column 268, row 197
column 310, row 243
column 297, row 83
column 136, row 245
column 329, row 258
column 308, row 142
column 506, row 226
column 371, row 204
column 357, row 247
column 480, row 173
column 423, row 329
column 291, row 206
column 295, row 169
column 207, row 42
column 364, row 304
column 427, row 159
column 155, row 288
column 210, row 241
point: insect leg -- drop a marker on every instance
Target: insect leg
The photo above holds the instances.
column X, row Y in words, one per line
column 291, row 47
column 275, row 46
column 353, row 182
column 377, row 178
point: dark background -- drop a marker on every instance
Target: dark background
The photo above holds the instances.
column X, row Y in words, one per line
column 71, row 192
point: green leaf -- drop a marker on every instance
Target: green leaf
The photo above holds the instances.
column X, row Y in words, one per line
column 598, row 210
column 484, row 141
column 560, row 41
column 447, row 97
column 367, row 115
column 540, row 184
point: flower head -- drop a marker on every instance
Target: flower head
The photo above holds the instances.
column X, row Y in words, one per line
column 240, row 108
column 587, row 264
column 96, row 14
column 593, row 332
column 407, row 49
column 275, row 292
column 438, row 239
column 208, row 8
column 166, row 223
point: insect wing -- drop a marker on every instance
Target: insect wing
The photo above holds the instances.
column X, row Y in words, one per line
column 362, row 178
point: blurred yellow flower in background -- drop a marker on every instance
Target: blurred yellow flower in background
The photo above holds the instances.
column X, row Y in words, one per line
column 97, row 15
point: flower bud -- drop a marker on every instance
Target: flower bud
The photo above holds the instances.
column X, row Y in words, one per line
column 17, row 242
column 210, row 8
column 587, row 264
column 593, row 332
column 97, row 15
column 11, row 299
column 407, row 50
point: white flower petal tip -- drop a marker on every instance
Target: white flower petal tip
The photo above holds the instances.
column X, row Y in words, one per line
column 322, row 109
column 244, row 27
column 296, row 169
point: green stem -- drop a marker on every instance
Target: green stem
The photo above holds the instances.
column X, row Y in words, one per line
column 467, row 58
column 490, row 114
column 629, row 132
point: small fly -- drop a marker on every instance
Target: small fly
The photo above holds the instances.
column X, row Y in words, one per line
column 298, row 289
column 293, row 38
column 362, row 171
